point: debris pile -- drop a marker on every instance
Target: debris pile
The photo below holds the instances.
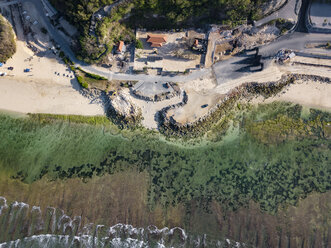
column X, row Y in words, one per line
column 251, row 37
column 283, row 56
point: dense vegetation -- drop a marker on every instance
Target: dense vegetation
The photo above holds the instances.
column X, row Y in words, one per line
column 172, row 13
column 85, row 78
column 232, row 172
column 176, row 14
column 93, row 46
column 7, row 40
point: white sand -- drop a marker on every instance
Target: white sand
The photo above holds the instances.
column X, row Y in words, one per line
column 192, row 111
column 200, row 92
column 149, row 109
column 204, row 84
column 310, row 94
column 41, row 90
column 32, row 97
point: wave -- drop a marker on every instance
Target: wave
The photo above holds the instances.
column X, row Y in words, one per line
column 22, row 227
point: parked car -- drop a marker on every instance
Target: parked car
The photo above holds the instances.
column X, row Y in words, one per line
column 10, row 68
column 27, row 70
column 204, row 106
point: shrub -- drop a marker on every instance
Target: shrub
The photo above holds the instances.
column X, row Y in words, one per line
column 81, row 81
column 139, row 44
column 43, row 30
column 283, row 31
column 95, row 76
column 91, row 75
column 61, row 54
column 7, row 40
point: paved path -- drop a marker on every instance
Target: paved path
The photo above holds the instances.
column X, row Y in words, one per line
column 289, row 11
column 313, row 55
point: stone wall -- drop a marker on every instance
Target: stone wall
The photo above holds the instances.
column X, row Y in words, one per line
column 169, row 126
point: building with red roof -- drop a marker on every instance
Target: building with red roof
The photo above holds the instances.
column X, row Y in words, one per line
column 156, row 40
column 120, row 47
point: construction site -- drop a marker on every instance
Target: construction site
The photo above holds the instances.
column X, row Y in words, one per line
column 170, row 51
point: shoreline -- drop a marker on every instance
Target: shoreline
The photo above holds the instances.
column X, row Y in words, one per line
column 308, row 94
column 50, row 87
column 19, row 97
column 248, row 92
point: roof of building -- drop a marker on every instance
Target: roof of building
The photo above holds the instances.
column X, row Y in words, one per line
column 196, row 42
column 157, row 40
column 156, row 44
column 120, row 46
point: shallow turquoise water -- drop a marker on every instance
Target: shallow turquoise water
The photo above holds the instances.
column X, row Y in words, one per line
column 232, row 171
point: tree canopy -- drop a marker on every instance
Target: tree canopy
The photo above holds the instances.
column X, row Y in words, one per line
column 7, row 40
column 150, row 14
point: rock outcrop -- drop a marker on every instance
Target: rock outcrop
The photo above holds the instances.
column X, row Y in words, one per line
column 123, row 111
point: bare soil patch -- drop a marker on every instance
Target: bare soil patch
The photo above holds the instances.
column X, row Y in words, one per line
column 176, row 54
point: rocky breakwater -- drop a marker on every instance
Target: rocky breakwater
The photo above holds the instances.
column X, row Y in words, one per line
column 170, row 127
column 25, row 226
column 123, row 111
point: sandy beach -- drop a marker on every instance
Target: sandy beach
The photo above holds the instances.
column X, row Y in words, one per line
column 33, row 97
column 309, row 94
column 60, row 95
column 50, row 86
